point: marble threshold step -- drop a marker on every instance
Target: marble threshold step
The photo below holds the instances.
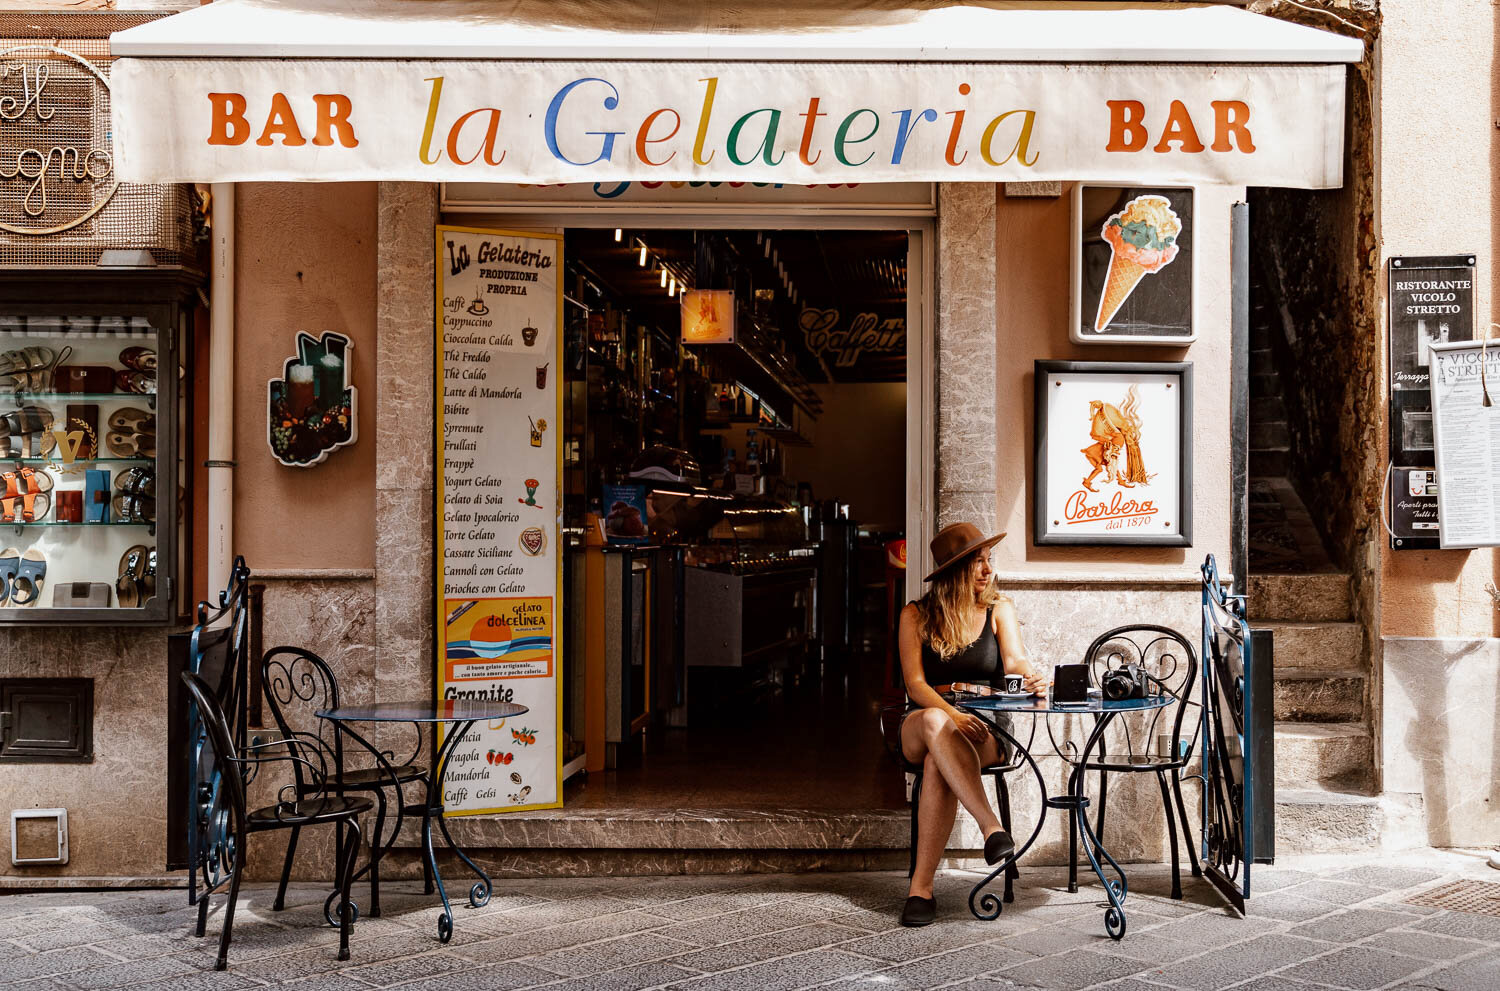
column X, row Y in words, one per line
column 1326, row 820
column 678, row 829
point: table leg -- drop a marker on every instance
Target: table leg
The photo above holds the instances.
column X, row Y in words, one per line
column 434, row 810
column 987, row 906
column 377, row 849
column 479, row 892
column 1114, row 916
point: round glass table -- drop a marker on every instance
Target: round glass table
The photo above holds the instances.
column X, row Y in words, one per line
column 1074, row 804
column 459, row 715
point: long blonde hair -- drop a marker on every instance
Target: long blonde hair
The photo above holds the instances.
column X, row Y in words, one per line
column 945, row 612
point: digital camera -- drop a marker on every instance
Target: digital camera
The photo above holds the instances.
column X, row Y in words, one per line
column 1126, row 682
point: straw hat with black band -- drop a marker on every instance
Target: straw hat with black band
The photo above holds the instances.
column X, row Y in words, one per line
column 955, row 542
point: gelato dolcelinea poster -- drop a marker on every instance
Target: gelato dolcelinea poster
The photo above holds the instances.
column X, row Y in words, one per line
column 498, row 410
column 1133, row 265
column 1114, row 453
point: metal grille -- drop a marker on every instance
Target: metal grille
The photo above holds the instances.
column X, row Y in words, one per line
column 159, row 219
column 1477, row 897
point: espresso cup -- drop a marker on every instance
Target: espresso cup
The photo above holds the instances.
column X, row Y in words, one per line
column 1013, row 683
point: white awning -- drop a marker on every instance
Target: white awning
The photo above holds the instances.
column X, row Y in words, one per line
column 705, row 30
column 544, row 91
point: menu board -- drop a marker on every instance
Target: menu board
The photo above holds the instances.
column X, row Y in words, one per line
column 499, row 417
column 1466, row 440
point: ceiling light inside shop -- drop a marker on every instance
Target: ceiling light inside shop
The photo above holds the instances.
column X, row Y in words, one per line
column 768, row 248
column 672, row 289
column 643, row 253
column 664, row 278
column 618, row 234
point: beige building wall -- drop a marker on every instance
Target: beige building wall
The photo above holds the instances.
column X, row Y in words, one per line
column 1438, row 103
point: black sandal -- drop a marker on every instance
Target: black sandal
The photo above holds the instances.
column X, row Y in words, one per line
column 919, row 912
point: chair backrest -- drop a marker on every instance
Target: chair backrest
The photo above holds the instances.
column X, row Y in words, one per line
column 299, row 683
column 219, row 804
column 1161, row 651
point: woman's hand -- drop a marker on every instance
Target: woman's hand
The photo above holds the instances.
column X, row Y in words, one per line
column 1036, row 683
column 971, row 726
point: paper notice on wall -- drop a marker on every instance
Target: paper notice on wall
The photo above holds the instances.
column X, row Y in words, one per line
column 498, row 599
column 1466, row 440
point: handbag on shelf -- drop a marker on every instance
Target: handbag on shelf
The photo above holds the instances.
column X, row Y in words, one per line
column 84, row 378
column 80, row 595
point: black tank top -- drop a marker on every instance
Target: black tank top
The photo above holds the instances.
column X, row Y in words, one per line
column 979, row 662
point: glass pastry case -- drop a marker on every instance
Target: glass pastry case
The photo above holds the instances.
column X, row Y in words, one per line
column 89, row 461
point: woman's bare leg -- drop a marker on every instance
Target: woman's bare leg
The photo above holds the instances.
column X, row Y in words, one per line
column 935, row 815
column 931, row 733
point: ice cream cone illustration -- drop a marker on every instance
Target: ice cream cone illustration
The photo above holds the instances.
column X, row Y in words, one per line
column 1142, row 239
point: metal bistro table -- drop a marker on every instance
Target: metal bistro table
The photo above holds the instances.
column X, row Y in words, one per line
column 462, row 714
column 1074, row 803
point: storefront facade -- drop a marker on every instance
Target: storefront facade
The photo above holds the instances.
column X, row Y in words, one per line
column 347, row 549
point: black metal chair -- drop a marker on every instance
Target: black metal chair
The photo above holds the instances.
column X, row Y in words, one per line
column 1163, row 654
column 294, row 675
column 297, row 808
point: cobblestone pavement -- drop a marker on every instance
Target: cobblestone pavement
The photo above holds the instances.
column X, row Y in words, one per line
column 1314, row 924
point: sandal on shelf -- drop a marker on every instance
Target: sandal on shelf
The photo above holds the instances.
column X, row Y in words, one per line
column 123, row 445
column 31, row 428
column 132, row 420
column 30, row 369
column 148, row 578
column 9, row 502
column 26, row 587
column 35, row 485
column 139, row 359
column 10, row 563
column 137, row 482
column 129, row 588
column 135, row 509
column 140, row 383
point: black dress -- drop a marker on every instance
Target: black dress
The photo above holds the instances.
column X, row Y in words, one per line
column 979, row 663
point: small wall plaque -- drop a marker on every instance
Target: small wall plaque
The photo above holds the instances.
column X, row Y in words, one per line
column 311, row 409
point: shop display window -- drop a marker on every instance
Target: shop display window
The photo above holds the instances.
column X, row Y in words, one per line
column 89, row 493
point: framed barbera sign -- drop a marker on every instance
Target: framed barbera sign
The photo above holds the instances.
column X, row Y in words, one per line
column 1134, row 267
column 1114, row 453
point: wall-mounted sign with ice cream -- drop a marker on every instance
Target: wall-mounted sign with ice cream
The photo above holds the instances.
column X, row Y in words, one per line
column 1134, row 267
column 310, row 410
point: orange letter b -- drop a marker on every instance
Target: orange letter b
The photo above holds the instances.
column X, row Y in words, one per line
column 229, row 125
column 1126, row 132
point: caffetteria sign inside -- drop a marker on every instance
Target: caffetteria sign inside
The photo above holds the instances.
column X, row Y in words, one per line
column 56, row 163
column 186, row 120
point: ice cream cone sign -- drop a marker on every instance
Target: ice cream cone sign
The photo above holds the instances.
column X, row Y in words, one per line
column 1142, row 240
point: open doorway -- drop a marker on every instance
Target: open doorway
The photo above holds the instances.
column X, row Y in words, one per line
column 748, row 480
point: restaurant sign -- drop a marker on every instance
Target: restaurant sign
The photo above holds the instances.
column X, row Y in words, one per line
column 189, row 120
column 498, row 416
column 56, row 167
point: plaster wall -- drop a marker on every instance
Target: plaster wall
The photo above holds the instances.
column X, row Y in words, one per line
column 305, row 261
column 1438, row 622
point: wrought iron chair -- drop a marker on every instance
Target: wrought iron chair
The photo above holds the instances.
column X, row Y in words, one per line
column 1163, row 654
column 216, row 653
column 298, row 679
column 237, row 769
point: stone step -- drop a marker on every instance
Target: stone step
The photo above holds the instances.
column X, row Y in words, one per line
column 1322, row 820
column 1328, row 754
column 1312, row 695
column 1262, row 361
column 1299, row 597
column 1264, row 384
column 1268, row 433
column 1266, row 409
column 1321, row 646
column 1274, row 462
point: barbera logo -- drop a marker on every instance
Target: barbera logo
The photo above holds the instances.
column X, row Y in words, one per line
column 583, row 126
column 1078, row 509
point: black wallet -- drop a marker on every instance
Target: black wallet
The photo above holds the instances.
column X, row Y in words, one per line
column 1070, row 684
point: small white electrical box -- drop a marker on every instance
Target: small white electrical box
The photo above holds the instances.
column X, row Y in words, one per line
column 38, row 836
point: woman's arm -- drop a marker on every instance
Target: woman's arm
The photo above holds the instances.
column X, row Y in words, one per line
column 1013, row 653
column 917, row 689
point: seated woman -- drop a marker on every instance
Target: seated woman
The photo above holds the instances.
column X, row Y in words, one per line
column 962, row 630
